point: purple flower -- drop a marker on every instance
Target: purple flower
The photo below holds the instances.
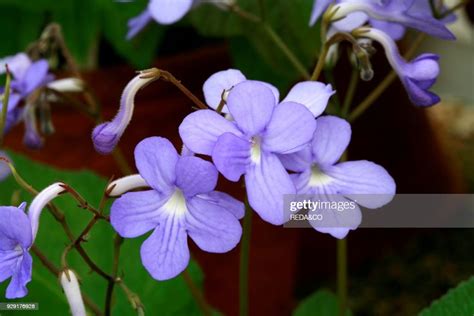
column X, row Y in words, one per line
column 15, row 241
column 28, row 76
column 17, row 234
column 167, row 12
column 418, row 76
column 249, row 144
column 182, row 202
column 319, row 174
column 312, row 94
column 391, row 16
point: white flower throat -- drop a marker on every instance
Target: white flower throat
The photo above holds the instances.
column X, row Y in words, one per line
column 255, row 150
column 318, row 177
column 176, row 204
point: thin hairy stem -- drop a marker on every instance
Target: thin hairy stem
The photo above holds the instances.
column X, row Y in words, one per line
column 115, row 266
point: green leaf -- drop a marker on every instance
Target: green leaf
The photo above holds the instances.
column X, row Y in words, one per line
column 80, row 21
column 139, row 51
column 458, row 301
column 19, row 27
column 165, row 298
column 320, row 303
column 211, row 21
column 259, row 53
column 246, row 58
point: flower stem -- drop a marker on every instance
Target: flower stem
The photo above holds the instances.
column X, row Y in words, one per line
column 115, row 266
column 244, row 261
column 350, row 92
column 6, row 98
column 197, row 294
column 342, row 275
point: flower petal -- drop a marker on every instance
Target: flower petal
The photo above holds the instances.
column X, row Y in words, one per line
column 298, row 161
column 35, row 76
column 156, row 160
column 335, row 221
column 169, row 11
column 165, row 254
column 220, row 82
column 15, row 228
column 195, row 175
column 251, row 104
column 21, row 277
column 211, row 226
column 312, row 94
column 395, row 30
column 351, row 22
column 201, row 129
column 331, row 138
column 363, row 181
column 8, row 262
column 291, row 127
column 136, row 213
column 226, row 201
column 231, row 155
column 267, row 182
column 138, row 23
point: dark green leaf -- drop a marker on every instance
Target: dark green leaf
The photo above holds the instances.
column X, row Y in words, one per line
column 320, row 303
column 79, row 21
column 18, row 28
column 458, row 301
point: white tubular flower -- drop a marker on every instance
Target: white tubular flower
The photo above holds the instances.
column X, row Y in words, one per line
column 67, row 85
column 106, row 135
column 125, row 184
column 40, row 201
column 72, row 290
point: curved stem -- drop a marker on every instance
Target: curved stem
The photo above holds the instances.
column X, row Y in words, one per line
column 244, row 261
column 342, row 275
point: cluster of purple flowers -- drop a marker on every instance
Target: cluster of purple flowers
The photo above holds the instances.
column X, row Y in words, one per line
column 278, row 148
column 386, row 21
column 28, row 78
